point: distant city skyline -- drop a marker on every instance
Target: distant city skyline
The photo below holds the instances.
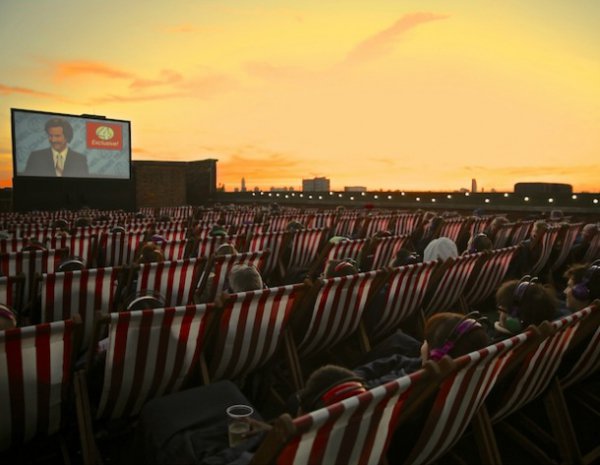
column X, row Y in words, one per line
column 414, row 95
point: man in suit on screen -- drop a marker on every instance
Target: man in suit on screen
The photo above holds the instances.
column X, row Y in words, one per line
column 57, row 160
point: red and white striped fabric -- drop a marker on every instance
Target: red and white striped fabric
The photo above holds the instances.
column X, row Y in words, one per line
column 184, row 211
column 451, row 285
column 589, row 361
column 150, row 353
column 250, row 329
column 238, row 218
column 377, row 223
column 12, row 245
column 11, row 291
column 547, row 243
column 206, row 247
column 222, row 265
column 337, row 311
column 274, row 241
column 570, row 234
column 173, row 234
column 350, row 248
column 35, row 375
column 119, row 248
column 521, row 231
column 385, row 250
column 502, row 238
column 175, row 280
column 478, row 226
column 322, row 220
column 279, row 222
column 174, row 249
column 453, row 228
column 345, row 225
column 460, row 396
column 80, row 246
column 538, row 368
column 305, row 246
column 356, row 430
column 82, row 292
column 96, row 230
column 490, row 275
column 404, row 292
column 407, row 223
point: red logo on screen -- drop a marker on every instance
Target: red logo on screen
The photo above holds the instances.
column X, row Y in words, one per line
column 104, row 136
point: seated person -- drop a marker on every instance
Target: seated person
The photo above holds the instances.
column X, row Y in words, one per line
column 522, row 303
column 478, row 243
column 404, row 257
column 339, row 268
column 244, row 278
column 191, row 426
column 446, row 333
column 8, row 319
column 582, row 243
column 494, row 227
column 440, row 249
column 150, row 253
column 73, row 263
column 583, row 286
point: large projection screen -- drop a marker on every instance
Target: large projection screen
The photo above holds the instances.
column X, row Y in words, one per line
column 90, row 146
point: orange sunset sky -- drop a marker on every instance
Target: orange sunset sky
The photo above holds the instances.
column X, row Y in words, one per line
column 411, row 95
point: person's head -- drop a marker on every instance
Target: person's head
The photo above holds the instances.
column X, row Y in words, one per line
column 497, row 223
column 150, row 252
column 479, row 243
column 339, row 268
column 405, row 257
column 588, row 232
column 294, row 226
column 244, row 278
column 453, row 334
column 8, row 319
column 82, row 222
column 583, row 285
column 440, row 249
column 218, row 230
column 60, row 133
column 522, row 303
column 328, row 385
column 538, row 230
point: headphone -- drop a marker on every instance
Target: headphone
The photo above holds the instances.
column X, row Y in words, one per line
column 73, row 263
column 145, row 299
column 8, row 313
column 346, row 263
column 513, row 322
column 464, row 326
column 339, row 390
column 581, row 291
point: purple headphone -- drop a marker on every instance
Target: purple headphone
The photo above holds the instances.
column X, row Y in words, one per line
column 524, row 283
column 468, row 323
column 581, row 291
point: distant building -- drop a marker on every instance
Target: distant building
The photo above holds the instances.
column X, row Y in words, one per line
column 243, row 184
column 473, row 185
column 278, row 189
column 547, row 188
column 315, row 185
column 355, row 189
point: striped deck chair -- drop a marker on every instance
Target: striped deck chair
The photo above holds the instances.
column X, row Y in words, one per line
column 461, row 397
column 453, row 228
column 221, row 266
column 280, row 222
column 275, row 242
column 503, row 235
column 489, row 276
column 337, row 311
column 118, row 249
column 205, row 247
column 174, row 249
column 376, row 223
column 478, row 225
column 357, row 430
column 385, row 249
column 173, row 234
column 35, row 380
column 80, row 246
column 244, row 231
column 82, row 293
column 12, row 290
column 350, row 248
column 345, row 225
column 593, row 251
column 13, row 244
column 322, row 220
column 176, row 280
column 445, row 291
column 305, row 246
column 405, row 289
column 407, row 223
column 533, row 376
column 521, row 231
column 547, row 244
column 569, row 233
column 251, row 328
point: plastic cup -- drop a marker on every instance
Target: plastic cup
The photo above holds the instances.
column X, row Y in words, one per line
column 238, row 426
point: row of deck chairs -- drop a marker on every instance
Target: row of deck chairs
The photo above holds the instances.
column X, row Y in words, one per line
column 154, row 352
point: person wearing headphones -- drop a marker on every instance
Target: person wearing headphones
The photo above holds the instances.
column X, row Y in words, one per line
column 521, row 303
column 583, row 285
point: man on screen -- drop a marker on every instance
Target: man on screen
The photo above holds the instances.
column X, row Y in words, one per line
column 58, row 159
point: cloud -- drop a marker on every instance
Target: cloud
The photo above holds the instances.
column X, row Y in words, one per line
column 268, row 71
column 167, row 77
column 77, row 68
column 382, row 42
column 9, row 90
column 136, row 98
